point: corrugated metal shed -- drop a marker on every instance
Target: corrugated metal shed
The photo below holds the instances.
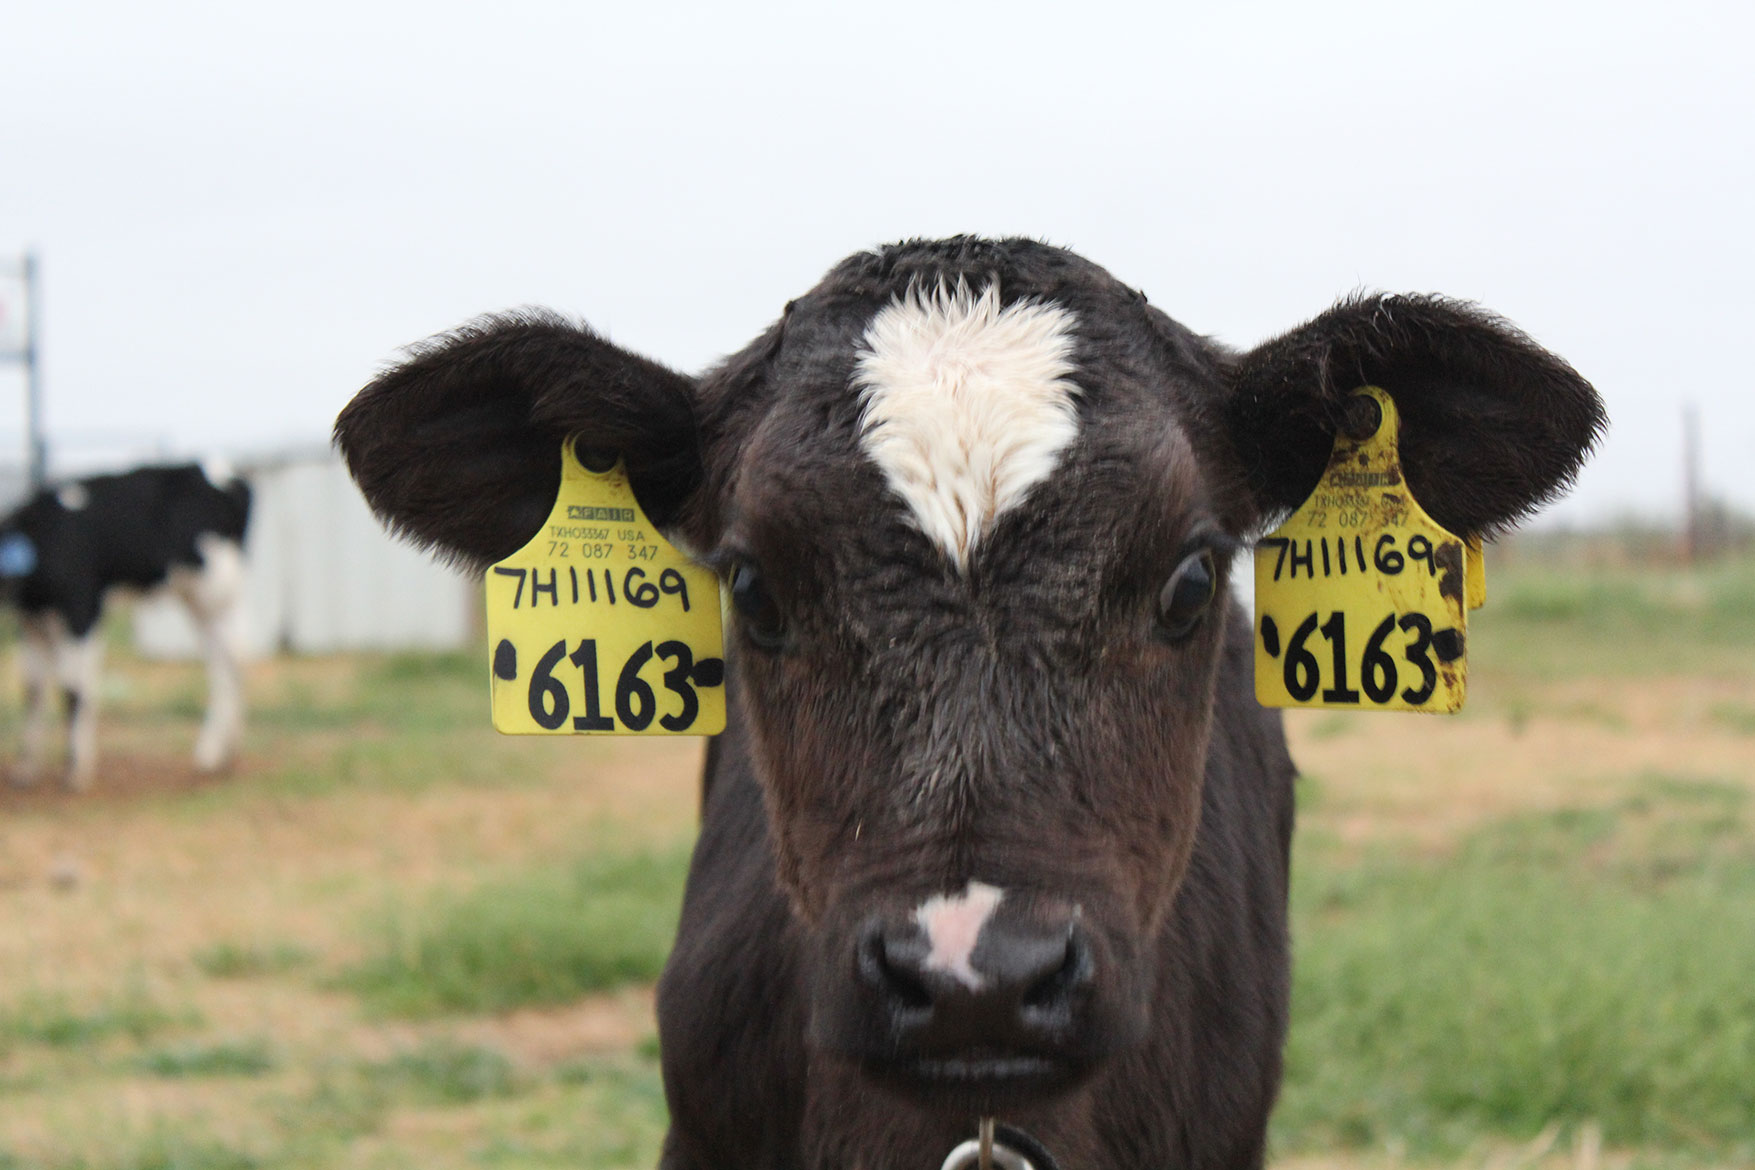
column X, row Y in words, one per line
column 324, row 576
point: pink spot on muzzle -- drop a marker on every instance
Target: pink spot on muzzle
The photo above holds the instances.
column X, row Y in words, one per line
column 953, row 926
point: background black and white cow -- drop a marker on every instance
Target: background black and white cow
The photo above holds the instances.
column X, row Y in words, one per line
column 68, row 546
column 997, row 824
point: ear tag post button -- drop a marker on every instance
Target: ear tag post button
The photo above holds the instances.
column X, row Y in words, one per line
column 599, row 626
column 1361, row 598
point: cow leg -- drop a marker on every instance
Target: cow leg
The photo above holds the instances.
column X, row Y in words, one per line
column 223, row 729
column 39, row 636
column 79, row 663
column 214, row 595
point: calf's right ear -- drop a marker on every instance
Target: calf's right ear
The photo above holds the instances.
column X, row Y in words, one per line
column 1493, row 425
column 458, row 448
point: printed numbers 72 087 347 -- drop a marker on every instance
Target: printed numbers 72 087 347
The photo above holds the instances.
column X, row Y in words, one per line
column 1378, row 673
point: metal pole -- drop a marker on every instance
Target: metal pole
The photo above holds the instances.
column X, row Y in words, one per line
column 33, row 388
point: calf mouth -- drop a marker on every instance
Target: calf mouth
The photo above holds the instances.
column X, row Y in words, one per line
column 977, row 1078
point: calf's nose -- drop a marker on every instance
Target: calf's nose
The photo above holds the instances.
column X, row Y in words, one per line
column 1016, row 985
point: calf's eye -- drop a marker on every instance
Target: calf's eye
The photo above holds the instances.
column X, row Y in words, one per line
column 1187, row 596
column 762, row 619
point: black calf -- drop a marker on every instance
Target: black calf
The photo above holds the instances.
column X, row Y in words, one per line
column 996, row 825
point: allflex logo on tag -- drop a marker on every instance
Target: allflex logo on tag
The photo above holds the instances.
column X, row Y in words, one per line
column 1361, row 599
column 599, row 626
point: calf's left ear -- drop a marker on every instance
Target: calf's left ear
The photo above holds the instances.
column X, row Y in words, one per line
column 1493, row 425
column 459, row 447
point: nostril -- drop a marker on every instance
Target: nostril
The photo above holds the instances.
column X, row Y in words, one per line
column 888, row 968
column 1074, row 970
column 907, row 991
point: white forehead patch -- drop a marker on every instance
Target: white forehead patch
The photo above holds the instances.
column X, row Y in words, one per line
column 968, row 405
column 73, row 497
column 953, row 927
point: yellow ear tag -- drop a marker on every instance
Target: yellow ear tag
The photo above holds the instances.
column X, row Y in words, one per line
column 1361, row 599
column 599, row 626
column 1475, row 588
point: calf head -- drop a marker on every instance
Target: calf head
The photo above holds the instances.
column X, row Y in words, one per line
column 977, row 504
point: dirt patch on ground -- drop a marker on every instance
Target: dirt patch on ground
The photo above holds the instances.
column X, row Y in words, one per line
column 541, row 1038
column 115, row 901
column 146, row 750
column 1429, row 779
column 124, row 777
column 94, row 886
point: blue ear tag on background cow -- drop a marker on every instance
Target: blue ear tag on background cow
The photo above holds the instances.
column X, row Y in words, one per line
column 599, row 626
column 18, row 555
column 1361, row 598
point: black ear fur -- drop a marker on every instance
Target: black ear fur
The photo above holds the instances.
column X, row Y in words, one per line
column 459, row 447
column 1493, row 425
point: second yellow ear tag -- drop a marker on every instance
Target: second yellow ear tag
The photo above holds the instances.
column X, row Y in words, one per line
column 598, row 625
column 1361, row 599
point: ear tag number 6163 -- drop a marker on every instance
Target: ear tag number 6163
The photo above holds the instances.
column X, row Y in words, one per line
column 599, row 626
column 1361, row 599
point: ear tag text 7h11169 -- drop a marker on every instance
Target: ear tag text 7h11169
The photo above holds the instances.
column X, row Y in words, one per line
column 599, row 626
column 1361, row 599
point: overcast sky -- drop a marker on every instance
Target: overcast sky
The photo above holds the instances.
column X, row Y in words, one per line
column 242, row 209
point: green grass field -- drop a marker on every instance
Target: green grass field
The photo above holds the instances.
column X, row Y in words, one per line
column 1524, row 936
